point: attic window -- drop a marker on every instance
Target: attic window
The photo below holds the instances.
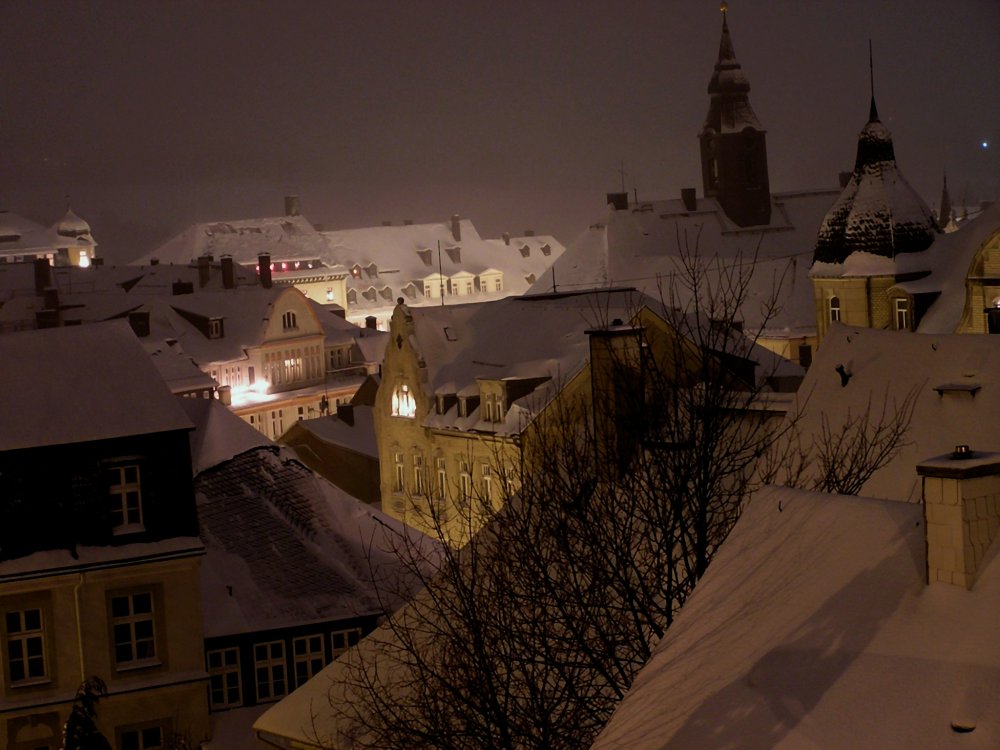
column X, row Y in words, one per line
column 289, row 321
column 370, row 294
column 352, row 297
column 546, row 249
column 530, row 278
column 455, row 253
column 834, row 309
column 356, row 271
column 410, row 290
column 971, row 388
column 386, row 292
column 425, row 256
column 525, row 251
column 449, row 334
column 215, row 328
column 372, row 271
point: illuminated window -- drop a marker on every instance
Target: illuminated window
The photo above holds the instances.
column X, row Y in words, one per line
column 834, row 309
column 344, row 639
column 902, row 314
column 269, row 670
column 309, row 657
column 25, row 646
column 398, row 462
column 499, row 284
column 215, row 328
column 224, row 677
column 487, row 474
column 329, row 294
column 288, row 320
column 125, row 495
column 133, row 629
column 465, row 480
column 403, row 404
column 418, row 475
column 442, row 477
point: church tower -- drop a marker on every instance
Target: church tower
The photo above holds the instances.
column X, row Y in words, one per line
column 733, row 148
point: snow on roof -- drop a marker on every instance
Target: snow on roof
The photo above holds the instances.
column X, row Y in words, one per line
column 177, row 369
column 889, row 365
column 642, row 247
column 82, row 557
column 285, row 547
column 813, row 627
column 219, row 435
column 69, row 385
column 359, row 436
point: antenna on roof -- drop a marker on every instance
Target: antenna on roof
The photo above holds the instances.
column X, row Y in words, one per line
column 871, row 69
column 553, row 269
column 621, row 171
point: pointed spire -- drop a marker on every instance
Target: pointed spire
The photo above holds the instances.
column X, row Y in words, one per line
column 944, row 212
column 872, row 110
column 726, row 51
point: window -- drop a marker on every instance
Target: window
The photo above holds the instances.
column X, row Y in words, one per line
column 397, row 459
column 487, row 474
column 25, row 646
column 269, row 670
column 442, row 474
column 145, row 738
column 301, row 413
column 403, row 404
column 902, row 306
column 126, row 498
column 329, row 294
column 834, row 309
column 344, row 639
column 499, row 284
column 133, row 629
column 277, row 422
column 224, row 677
column 418, row 475
column 308, row 656
column 465, row 479
column 288, row 320
column 215, row 328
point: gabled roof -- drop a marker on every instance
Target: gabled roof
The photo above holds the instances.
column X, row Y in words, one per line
column 888, row 365
column 70, row 385
column 814, row 627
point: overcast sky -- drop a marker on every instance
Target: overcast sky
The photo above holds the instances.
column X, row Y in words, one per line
column 516, row 114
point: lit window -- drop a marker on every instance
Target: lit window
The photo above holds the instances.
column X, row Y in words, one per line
column 269, row 670
column 133, row 629
column 465, row 477
column 215, row 328
column 329, row 294
column 442, row 477
column 344, row 639
column 487, row 474
column 834, row 309
column 902, row 314
column 289, row 321
column 418, row 475
column 125, row 495
column 309, row 657
column 25, row 649
column 277, row 422
column 224, row 677
column 403, row 404
column 147, row 738
column 499, row 284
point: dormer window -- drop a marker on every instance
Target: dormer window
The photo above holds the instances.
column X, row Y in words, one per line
column 289, row 321
column 125, row 495
column 403, row 404
column 834, row 309
column 902, row 310
column 215, row 328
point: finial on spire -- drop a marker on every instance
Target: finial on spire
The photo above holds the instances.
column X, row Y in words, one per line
column 724, row 9
column 872, row 111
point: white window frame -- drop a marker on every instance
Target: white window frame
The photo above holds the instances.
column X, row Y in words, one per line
column 125, row 496
column 135, row 629
column 27, row 638
column 901, row 307
column 419, row 487
column 486, row 474
column 223, row 665
column 400, row 477
column 289, row 321
column 342, row 640
column 442, row 476
column 273, row 668
column 834, row 308
column 143, row 739
column 310, row 662
column 403, row 403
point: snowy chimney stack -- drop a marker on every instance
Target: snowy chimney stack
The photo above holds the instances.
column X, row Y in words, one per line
column 204, row 269
column 456, row 227
column 371, row 322
column 961, row 513
column 43, row 275
column 228, row 275
column 506, row 238
column 291, row 205
column 264, row 269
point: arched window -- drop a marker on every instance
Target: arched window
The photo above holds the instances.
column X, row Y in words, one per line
column 403, row 404
column 834, row 309
column 902, row 309
column 288, row 320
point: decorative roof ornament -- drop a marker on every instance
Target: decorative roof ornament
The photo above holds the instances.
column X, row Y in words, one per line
column 71, row 225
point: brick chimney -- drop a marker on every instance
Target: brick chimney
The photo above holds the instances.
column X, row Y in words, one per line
column 264, row 269
column 228, row 276
column 43, row 275
column 961, row 492
column 616, row 372
column 204, row 269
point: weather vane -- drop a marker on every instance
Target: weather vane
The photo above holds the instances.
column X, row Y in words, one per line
column 724, row 7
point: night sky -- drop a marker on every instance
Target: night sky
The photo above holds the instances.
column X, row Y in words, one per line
column 154, row 115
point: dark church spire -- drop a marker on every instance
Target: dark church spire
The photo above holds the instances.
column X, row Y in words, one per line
column 733, row 147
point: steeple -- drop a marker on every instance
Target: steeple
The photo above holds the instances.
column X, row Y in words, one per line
column 944, row 212
column 733, row 147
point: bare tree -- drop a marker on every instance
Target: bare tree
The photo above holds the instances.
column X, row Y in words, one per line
column 530, row 634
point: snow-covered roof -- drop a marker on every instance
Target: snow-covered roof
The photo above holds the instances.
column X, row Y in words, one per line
column 69, row 385
column 643, row 247
column 71, row 225
column 285, row 547
column 814, row 628
column 359, row 436
column 888, row 365
column 218, row 435
column 178, row 370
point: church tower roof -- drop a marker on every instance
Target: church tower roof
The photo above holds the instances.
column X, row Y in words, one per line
column 72, row 225
column 877, row 212
column 729, row 110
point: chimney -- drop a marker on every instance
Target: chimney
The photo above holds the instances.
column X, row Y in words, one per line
column 345, row 413
column 616, row 379
column 371, row 322
column 204, row 269
column 228, row 275
column 43, row 275
column 264, row 269
column 690, row 198
column 506, row 238
column 961, row 512
column 529, row 232
column 139, row 320
column 225, row 395
column 291, row 205
column 618, row 201
column 844, row 178
column 456, row 227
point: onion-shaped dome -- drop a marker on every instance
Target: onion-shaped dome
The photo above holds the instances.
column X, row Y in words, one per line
column 877, row 212
column 72, row 225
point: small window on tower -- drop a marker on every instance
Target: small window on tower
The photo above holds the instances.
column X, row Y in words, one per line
column 834, row 309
